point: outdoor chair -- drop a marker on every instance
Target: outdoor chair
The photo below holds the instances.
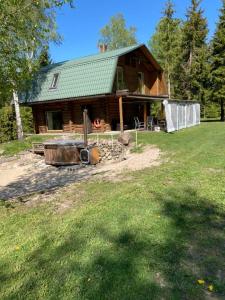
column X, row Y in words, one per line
column 138, row 124
column 150, row 123
column 162, row 123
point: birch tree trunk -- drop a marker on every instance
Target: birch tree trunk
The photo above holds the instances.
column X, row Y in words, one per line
column 18, row 116
column 169, row 86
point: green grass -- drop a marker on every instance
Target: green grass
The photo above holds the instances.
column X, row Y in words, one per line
column 14, row 147
column 151, row 237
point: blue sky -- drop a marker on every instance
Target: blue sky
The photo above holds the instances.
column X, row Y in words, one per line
column 80, row 26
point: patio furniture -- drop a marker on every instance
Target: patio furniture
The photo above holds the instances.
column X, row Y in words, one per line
column 162, row 123
column 150, row 123
column 37, row 148
column 138, row 124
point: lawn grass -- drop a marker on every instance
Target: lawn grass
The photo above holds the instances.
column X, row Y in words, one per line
column 15, row 147
column 151, row 237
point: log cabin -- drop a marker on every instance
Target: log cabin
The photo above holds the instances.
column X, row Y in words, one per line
column 113, row 86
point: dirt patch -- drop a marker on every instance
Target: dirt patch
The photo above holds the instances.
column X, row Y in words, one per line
column 150, row 157
column 27, row 174
column 11, row 174
column 136, row 161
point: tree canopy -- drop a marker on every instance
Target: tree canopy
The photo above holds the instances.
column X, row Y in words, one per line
column 164, row 44
column 192, row 69
column 218, row 62
column 27, row 27
column 116, row 34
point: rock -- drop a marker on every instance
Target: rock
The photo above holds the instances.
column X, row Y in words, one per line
column 2, row 151
column 124, row 138
column 110, row 150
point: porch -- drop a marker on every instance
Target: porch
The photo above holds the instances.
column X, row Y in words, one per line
column 108, row 113
column 136, row 111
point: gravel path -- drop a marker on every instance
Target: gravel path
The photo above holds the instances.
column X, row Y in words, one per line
column 27, row 173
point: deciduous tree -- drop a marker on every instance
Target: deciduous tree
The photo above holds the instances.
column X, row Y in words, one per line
column 116, row 34
column 27, row 26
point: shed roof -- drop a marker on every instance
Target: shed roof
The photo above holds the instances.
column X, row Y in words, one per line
column 86, row 76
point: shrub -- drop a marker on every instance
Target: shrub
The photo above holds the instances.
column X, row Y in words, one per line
column 211, row 111
column 8, row 122
column 27, row 119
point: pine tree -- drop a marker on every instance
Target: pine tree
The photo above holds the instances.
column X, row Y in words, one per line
column 45, row 58
column 164, row 44
column 218, row 62
column 192, row 73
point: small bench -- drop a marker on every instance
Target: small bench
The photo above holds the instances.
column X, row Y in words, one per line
column 37, row 148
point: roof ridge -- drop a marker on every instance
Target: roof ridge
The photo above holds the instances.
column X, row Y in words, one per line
column 64, row 66
column 78, row 61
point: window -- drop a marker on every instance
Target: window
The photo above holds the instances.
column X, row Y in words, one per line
column 120, row 79
column 141, row 83
column 54, row 81
column 54, row 120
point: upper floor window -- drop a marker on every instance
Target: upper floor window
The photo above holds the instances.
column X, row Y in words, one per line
column 141, row 83
column 120, row 79
column 54, row 81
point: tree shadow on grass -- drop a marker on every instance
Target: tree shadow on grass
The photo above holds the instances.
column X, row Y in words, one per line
column 44, row 180
column 199, row 240
column 132, row 263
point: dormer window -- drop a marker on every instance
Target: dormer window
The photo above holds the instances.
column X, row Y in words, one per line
column 54, row 81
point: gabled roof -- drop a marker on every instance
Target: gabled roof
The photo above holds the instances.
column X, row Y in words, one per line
column 87, row 76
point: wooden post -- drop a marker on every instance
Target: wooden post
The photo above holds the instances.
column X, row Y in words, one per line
column 85, row 127
column 121, row 113
column 136, row 138
column 145, row 115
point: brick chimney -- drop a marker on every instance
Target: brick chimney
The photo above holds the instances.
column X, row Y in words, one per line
column 102, row 47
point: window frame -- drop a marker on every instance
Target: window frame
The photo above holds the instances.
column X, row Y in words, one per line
column 141, row 89
column 55, row 80
column 47, row 121
column 121, row 71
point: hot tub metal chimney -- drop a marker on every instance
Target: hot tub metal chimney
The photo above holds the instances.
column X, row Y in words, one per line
column 85, row 127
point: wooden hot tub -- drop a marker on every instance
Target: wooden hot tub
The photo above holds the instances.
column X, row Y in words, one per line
column 62, row 152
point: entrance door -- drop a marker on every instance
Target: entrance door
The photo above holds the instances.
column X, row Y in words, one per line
column 54, row 120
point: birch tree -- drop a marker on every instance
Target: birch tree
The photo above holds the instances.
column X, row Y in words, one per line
column 27, row 26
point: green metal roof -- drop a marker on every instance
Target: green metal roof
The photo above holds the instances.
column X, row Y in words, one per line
column 87, row 76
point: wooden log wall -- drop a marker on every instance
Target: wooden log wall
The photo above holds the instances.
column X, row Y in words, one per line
column 103, row 109
column 154, row 83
